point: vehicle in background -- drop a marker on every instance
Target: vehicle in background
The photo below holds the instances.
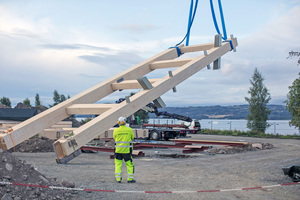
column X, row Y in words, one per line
column 167, row 131
column 157, row 131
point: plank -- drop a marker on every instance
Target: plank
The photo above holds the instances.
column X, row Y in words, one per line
column 194, row 48
column 61, row 126
column 69, row 129
column 65, row 122
column 192, row 147
column 38, row 123
column 59, row 129
column 100, row 124
column 169, row 63
column 93, row 109
column 129, row 84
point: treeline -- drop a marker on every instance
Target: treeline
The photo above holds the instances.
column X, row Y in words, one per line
column 278, row 112
column 57, row 98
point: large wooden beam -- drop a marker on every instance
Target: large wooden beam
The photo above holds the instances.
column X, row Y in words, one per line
column 100, row 124
column 169, row 63
column 38, row 123
column 93, row 109
column 194, row 48
column 129, row 84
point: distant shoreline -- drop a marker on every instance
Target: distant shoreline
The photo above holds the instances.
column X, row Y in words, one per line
column 234, row 112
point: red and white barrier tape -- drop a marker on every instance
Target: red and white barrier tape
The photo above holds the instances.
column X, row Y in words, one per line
column 125, row 191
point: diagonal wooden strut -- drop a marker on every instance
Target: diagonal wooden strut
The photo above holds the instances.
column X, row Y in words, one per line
column 109, row 114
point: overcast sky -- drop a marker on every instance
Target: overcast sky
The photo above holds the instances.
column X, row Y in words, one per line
column 71, row 45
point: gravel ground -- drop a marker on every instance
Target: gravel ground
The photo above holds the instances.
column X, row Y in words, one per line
column 201, row 171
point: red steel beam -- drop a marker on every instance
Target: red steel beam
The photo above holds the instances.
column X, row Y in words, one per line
column 93, row 148
column 192, row 150
column 135, row 146
column 228, row 143
column 110, row 150
column 149, row 145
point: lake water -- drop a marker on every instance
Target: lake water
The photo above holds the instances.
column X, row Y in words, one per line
column 276, row 126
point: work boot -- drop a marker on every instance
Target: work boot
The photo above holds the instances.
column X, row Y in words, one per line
column 132, row 181
column 119, row 181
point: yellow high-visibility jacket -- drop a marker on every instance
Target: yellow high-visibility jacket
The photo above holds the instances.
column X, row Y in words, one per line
column 123, row 137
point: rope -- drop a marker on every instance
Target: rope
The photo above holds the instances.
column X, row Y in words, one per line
column 152, row 192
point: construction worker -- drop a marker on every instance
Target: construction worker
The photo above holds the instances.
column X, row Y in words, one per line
column 123, row 137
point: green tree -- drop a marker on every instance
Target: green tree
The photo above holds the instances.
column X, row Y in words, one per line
column 26, row 102
column 62, row 98
column 5, row 101
column 37, row 100
column 293, row 103
column 56, row 97
column 259, row 98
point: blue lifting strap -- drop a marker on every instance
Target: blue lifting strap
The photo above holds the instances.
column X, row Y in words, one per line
column 191, row 20
column 189, row 24
column 215, row 20
column 222, row 20
column 230, row 42
column 178, row 50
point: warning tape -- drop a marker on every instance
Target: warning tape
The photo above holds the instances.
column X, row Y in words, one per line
column 153, row 192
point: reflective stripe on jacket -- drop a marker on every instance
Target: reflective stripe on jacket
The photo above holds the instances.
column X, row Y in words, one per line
column 123, row 137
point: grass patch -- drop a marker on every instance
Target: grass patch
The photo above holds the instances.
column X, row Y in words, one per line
column 247, row 134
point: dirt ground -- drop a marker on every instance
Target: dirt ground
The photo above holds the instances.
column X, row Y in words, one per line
column 184, row 175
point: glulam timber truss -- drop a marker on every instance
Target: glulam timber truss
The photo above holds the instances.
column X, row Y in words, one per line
column 67, row 148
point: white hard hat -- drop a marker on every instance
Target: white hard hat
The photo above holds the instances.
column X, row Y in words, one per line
column 122, row 121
